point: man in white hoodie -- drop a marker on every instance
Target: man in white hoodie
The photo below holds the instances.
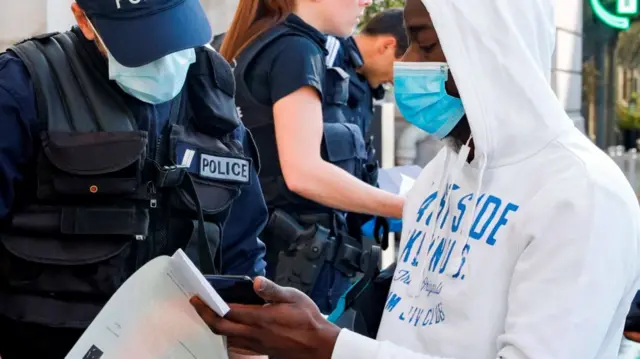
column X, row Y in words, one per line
column 521, row 239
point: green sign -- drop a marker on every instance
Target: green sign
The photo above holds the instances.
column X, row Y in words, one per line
column 620, row 20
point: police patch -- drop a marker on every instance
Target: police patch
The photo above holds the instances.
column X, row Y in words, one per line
column 225, row 168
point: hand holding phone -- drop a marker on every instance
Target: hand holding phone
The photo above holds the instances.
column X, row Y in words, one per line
column 235, row 289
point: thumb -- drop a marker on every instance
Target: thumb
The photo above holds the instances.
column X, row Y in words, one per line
column 274, row 293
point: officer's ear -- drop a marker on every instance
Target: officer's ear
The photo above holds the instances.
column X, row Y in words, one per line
column 386, row 45
column 83, row 22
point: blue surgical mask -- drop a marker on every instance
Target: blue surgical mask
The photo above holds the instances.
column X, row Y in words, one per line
column 156, row 82
column 422, row 99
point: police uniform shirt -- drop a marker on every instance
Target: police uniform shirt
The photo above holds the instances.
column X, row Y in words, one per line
column 19, row 143
column 288, row 64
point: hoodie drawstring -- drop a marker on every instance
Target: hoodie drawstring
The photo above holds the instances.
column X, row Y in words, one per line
column 445, row 187
column 467, row 222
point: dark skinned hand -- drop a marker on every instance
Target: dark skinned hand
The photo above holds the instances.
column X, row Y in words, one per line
column 289, row 327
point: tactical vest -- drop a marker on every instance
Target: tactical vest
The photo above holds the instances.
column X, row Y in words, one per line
column 107, row 196
column 342, row 144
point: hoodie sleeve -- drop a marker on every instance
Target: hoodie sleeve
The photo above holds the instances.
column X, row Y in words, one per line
column 355, row 346
column 576, row 273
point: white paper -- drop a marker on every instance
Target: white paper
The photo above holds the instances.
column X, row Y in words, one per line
column 398, row 180
column 150, row 317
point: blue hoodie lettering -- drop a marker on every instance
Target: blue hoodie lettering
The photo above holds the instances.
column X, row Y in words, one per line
column 492, row 215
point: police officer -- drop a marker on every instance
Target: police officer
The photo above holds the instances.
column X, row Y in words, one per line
column 120, row 142
column 368, row 58
column 312, row 157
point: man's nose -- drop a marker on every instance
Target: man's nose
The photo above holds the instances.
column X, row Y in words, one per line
column 365, row 3
column 410, row 56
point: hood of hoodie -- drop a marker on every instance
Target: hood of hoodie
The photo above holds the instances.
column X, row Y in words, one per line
column 499, row 53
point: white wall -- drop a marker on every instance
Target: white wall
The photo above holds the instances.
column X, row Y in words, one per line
column 21, row 19
column 220, row 13
column 25, row 18
column 59, row 15
column 566, row 75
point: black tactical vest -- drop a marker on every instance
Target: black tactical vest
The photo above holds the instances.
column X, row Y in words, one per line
column 342, row 144
column 106, row 196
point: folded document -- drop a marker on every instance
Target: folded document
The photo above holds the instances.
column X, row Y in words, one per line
column 150, row 317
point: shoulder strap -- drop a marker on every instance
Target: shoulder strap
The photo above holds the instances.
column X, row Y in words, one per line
column 259, row 44
column 257, row 114
column 71, row 95
column 333, row 48
column 211, row 92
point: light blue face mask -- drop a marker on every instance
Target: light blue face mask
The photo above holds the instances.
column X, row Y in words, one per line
column 156, row 82
column 422, row 99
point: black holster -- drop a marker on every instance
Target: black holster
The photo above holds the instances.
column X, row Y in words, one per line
column 302, row 247
column 300, row 250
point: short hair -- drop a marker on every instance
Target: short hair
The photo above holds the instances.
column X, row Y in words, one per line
column 389, row 22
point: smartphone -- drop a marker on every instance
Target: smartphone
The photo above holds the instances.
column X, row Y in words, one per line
column 236, row 289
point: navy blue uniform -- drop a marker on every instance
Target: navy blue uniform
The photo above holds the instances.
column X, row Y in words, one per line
column 269, row 69
column 242, row 251
column 344, row 53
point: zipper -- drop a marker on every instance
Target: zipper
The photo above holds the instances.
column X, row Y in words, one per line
column 153, row 200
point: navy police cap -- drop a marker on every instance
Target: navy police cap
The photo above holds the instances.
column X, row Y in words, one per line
column 137, row 32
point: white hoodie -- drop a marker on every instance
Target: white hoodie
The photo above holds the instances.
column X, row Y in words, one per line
column 544, row 264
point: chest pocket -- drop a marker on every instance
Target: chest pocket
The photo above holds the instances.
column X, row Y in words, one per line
column 95, row 175
column 344, row 146
column 78, row 238
column 91, row 164
column 217, row 168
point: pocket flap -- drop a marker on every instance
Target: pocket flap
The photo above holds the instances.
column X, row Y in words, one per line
column 63, row 252
column 337, row 86
column 214, row 198
column 94, row 153
column 343, row 141
column 106, row 221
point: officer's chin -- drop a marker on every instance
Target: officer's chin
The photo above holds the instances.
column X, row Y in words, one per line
column 346, row 30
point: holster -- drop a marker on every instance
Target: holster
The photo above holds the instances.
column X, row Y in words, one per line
column 304, row 246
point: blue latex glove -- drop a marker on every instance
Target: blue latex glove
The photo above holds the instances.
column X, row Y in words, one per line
column 395, row 226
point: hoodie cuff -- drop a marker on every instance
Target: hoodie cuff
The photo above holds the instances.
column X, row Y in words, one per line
column 354, row 346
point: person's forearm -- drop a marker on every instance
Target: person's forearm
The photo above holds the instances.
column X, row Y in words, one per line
column 333, row 187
